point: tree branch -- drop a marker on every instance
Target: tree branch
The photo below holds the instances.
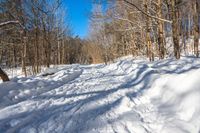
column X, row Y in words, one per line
column 148, row 15
column 9, row 22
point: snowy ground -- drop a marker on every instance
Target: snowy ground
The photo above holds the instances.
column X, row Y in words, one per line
column 129, row 96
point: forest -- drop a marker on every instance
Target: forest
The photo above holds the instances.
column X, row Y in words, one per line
column 35, row 34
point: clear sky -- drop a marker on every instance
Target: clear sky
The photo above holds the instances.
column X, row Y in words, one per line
column 78, row 15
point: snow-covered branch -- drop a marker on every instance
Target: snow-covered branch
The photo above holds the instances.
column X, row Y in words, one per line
column 12, row 22
column 9, row 22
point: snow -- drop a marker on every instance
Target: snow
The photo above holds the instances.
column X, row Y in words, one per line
column 128, row 96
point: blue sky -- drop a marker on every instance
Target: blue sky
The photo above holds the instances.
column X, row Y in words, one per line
column 78, row 15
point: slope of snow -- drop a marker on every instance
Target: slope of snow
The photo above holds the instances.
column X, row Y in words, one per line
column 128, row 96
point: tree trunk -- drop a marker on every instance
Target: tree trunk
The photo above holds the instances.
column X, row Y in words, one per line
column 24, row 48
column 3, row 76
column 59, row 53
column 175, row 29
column 148, row 35
column 37, row 60
column 160, row 32
column 196, row 28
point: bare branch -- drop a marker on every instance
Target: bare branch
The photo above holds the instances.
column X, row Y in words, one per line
column 148, row 15
column 9, row 22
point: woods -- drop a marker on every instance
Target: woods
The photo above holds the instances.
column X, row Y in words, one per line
column 35, row 33
column 149, row 27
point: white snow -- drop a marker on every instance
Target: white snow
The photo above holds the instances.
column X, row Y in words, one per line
column 128, row 96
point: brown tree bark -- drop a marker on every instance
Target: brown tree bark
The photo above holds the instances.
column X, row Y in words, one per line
column 160, row 31
column 3, row 76
column 175, row 32
column 196, row 28
column 148, row 37
column 24, row 40
column 24, row 48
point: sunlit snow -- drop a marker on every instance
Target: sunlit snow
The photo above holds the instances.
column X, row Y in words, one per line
column 128, row 96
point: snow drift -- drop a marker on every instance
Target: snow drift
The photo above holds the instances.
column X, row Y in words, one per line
column 130, row 95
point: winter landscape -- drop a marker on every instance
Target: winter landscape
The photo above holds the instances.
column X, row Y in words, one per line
column 136, row 69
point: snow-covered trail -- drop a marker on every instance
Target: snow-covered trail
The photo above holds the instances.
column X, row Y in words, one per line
column 129, row 96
